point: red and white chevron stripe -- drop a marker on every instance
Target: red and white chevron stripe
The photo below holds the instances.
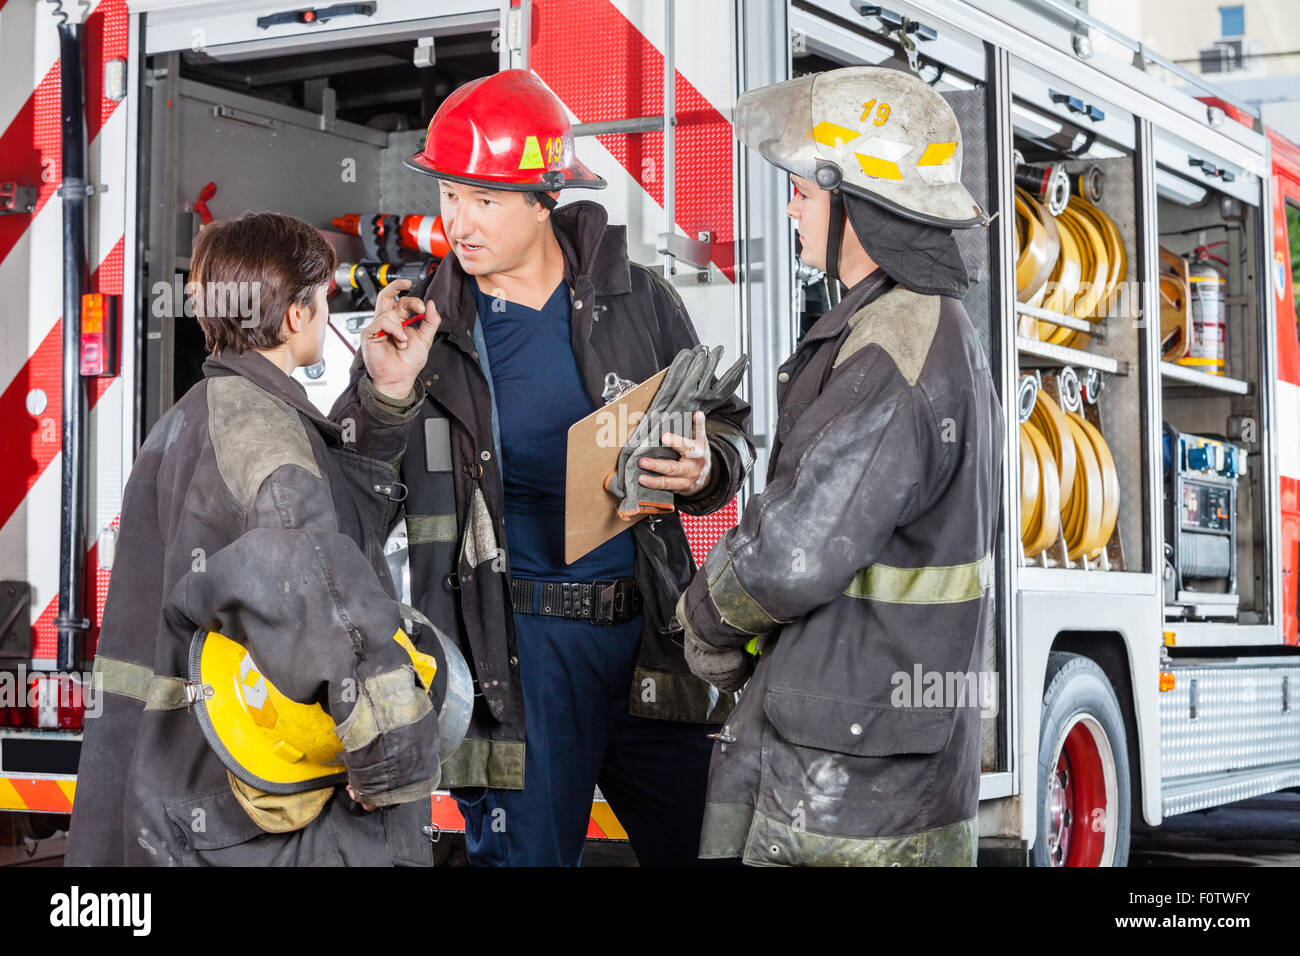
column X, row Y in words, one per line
column 604, row 59
column 30, row 316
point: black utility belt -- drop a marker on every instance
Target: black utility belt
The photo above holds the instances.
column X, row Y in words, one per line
column 611, row 601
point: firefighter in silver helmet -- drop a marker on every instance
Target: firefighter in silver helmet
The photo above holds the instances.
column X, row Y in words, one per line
column 869, row 553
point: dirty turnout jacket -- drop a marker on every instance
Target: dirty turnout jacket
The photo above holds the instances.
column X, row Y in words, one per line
column 246, row 515
column 865, row 562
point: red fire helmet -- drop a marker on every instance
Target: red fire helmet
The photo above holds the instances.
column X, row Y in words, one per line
column 505, row 131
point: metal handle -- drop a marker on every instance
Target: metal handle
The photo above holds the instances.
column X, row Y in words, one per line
column 1209, row 169
column 893, row 22
column 1072, row 103
column 670, row 138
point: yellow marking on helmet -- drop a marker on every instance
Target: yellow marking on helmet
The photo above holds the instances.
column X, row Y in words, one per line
column 882, row 112
column 879, row 168
column 264, row 716
column 287, row 752
column 829, row 134
column 532, row 157
column 937, row 154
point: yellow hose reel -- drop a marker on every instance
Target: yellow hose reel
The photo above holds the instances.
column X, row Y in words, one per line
column 1071, row 263
column 1069, row 488
column 1175, row 306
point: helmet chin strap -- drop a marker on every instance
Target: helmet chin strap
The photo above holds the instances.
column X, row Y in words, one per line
column 834, row 235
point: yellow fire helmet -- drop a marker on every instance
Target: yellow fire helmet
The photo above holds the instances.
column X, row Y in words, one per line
column 882, row 134
column 281, row 746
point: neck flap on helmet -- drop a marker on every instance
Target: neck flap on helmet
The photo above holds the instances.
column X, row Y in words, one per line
column 918, row 256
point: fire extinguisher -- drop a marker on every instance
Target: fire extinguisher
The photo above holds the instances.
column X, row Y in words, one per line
column 1209, row 307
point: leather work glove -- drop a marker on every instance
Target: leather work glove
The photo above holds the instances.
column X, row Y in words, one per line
column 727, row 668
column 688, row 387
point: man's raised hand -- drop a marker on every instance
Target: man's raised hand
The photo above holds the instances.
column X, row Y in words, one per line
column 395, row 353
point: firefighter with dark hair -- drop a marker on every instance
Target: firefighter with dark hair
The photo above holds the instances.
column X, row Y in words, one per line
column 869, row 551
column 261, row 693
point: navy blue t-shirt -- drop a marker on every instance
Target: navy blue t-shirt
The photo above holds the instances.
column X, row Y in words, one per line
column 539, row 394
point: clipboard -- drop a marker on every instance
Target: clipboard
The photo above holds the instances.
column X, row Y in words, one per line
column 590, row 512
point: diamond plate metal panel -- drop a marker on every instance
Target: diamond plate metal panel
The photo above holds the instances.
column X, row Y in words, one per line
column 1221, row 790
column 403, row 191
column 970, row 107
column 1240, row 728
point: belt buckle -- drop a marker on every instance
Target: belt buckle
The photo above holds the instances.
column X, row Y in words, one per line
column 602, row 601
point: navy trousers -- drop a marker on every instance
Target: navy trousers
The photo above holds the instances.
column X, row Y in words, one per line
column 578, row 734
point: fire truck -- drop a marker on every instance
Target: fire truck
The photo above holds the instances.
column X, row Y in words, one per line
column 1134, row 294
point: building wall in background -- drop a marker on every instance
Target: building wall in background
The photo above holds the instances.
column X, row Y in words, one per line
column 1263, row 68
column 1181, row 29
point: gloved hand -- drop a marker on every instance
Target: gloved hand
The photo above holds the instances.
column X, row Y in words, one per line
column 726, row 668
column 688, row 387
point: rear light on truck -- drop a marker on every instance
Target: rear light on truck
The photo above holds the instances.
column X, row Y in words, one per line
column 56, row 701
column 98, row 334
column 12, row 714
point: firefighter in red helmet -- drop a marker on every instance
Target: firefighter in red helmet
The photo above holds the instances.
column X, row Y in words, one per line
column 543, row 318
column 506, row 131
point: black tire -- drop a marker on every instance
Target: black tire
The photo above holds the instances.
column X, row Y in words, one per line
column 1084, row 797
column 41, row 826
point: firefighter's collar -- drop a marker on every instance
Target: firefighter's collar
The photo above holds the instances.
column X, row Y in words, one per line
column 833, row 321
column 269, row 377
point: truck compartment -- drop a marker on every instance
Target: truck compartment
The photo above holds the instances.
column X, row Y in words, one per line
column 1214, row 371
column 318, row 135
column 1078, row 329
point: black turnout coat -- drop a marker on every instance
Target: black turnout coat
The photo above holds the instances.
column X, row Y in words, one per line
column 626, row 320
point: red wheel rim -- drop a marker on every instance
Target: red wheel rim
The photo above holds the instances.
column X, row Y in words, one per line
column 1081, row 795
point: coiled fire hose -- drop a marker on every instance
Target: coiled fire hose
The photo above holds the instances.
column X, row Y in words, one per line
column 1040, row 493
column 1082, row 538
column 1072, row 263
column 1068, row 483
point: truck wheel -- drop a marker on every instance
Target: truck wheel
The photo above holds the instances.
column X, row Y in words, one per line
column 41, row 826
column 1083, row 773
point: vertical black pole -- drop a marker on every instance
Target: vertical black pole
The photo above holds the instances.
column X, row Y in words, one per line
column 71, row 622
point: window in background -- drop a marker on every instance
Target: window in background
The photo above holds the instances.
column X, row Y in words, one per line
column 1232, row 21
